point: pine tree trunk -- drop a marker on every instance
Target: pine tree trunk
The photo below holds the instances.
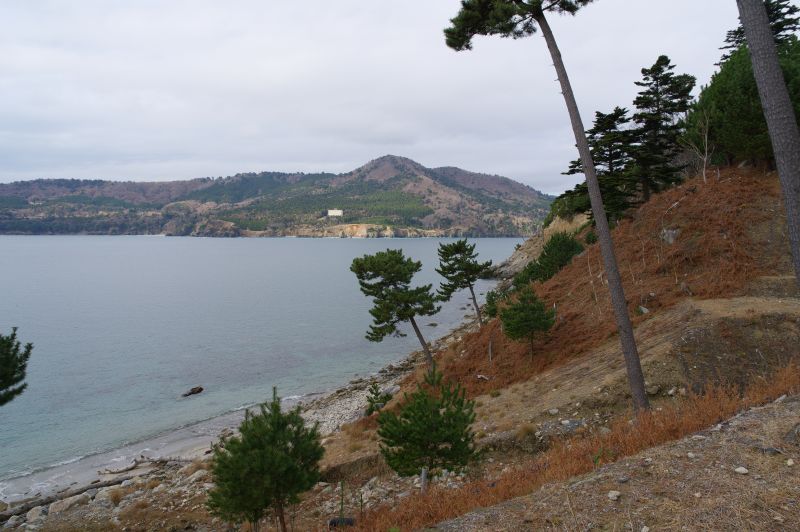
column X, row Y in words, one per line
column 779, row 113
column 624, row 326
column 423, row 480
column 281, row 518
column 475, row 303
column 422, row 341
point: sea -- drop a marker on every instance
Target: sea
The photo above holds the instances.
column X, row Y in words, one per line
column 122, row 326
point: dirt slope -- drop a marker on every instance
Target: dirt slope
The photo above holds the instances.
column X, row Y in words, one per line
column 691, row 484
column 696, row 241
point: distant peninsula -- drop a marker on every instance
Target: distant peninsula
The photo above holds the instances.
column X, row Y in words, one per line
column 388, row 197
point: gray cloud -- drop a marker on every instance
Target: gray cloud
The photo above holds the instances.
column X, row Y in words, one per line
column 156, row 90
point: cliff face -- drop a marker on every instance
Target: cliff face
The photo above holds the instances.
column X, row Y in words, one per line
column 389, row 196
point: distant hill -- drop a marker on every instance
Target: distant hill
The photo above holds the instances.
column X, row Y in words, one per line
column 389, row 196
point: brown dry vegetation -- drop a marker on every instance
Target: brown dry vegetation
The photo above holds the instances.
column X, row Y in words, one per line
column 583, row 453
column 730, row 232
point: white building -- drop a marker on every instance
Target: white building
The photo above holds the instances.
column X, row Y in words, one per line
column 335, row 213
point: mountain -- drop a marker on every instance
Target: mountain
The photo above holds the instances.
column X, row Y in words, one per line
column 389, row 196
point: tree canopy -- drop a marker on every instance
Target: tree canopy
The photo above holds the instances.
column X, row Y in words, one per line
column 610, row 142
column 736, row 125
column 13, row 365
column 524, row 318
column 664, row 98
column 506, row 18
column 431, row 430
column 274, row 459
column 783, row 21
column 386, row 277
column 459, row 266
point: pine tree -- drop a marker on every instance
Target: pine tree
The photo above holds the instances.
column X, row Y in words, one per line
column 783, row 22
column 609, row 143
column 274, row 459
column 556, row 253
column 520, row 18
column 459, row 267
column 386, row 277
column 779, row 113
column 737, row 129
column 525, row 317
column 610, row 146
column 664, row 98
column 13, row 364
column 431, row 430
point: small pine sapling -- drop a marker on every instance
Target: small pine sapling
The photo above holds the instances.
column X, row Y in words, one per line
column 273, row 460
column 376, row 399
column 431, row 430
column 493, row 300
column 525, row 317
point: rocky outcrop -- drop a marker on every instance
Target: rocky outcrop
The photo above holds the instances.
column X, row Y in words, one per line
column 65, row 504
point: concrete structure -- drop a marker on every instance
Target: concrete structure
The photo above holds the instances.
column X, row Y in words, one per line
column 335, row 213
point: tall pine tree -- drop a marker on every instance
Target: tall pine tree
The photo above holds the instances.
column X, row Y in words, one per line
column 610, row 145
column 386, row 277
column 665, row 96
column 13, row 364
column 459, row 266
column 521, row 18
column 783, row 22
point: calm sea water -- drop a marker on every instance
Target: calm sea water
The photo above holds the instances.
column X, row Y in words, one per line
column 122, row 326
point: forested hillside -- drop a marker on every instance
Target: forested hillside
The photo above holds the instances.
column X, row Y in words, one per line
column 390, row 196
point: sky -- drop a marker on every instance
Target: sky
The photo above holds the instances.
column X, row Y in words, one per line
column 154, row 90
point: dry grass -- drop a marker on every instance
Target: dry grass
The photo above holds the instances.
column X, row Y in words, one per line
column 195, row 466
column 525, row 431
column 729, row 234
column 582, row 454
column 116, row 495
column 354, row 447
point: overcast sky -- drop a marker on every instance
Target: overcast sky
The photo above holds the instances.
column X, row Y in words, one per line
column 175, row 89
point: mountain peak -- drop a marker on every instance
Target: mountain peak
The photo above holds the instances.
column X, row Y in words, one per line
column 387, row 167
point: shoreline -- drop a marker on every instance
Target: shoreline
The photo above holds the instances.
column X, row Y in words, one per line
column 331, row 409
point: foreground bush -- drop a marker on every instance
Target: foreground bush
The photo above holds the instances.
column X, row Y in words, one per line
column 556, row 253
column 275, row 458
column 432, row 429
